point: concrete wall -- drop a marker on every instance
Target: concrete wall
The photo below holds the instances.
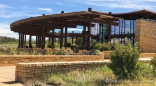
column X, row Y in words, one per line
column 36, row 71
column 13, row 59
column 145, row 35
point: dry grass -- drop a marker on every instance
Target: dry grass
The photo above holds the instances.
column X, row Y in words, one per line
column 98, row 77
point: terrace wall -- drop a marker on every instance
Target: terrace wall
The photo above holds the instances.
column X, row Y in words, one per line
column 36, row 71
column 145, row 35
column 13, row 59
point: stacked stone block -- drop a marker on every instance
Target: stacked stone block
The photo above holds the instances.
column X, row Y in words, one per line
column 36, row 71
column 13, row 59
column 145, row 35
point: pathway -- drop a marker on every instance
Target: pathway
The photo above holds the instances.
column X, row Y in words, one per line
column 7, row 76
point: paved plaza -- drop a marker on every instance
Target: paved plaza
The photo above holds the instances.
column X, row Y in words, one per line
column 7, row 76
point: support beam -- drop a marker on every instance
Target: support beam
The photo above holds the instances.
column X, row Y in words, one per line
column 53, row 38
column 22, row 40
column 89, row 35
column 97, row 21
column 25, row 40
column 40, row 41
column 109, row 32
column 61, row 41
column 66, row 37
column 72, row 36
column 59, row 38
column 19, row 40
column 43, row 37
column 30, row 45
column 84, row 36
column 76, row 40
column 36, row 41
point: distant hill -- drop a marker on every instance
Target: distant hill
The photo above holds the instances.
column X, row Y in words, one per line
column 5, row 39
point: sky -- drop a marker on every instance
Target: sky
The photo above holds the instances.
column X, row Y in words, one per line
column 13, row 10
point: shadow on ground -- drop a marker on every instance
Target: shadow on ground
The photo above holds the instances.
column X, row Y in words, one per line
column 10, row 82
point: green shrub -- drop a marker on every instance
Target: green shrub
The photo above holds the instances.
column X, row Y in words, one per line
column 153, row 63
column 125, row 60
column 93, row 43
column 102, row 46
column 49, row 45
column 62, row 51
column 146, row 70
column 55, row 80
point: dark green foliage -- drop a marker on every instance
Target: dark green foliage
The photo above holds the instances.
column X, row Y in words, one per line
column 146, row 70
column 93, row 43
column 103, row 46
column 153, row 63
column 7, row 51
column 125, row 60
column 61, row 51
column 49, row 45
column 5, row 39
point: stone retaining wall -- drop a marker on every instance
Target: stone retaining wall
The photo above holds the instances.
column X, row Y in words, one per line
column 36, row 71
column 147, row 55
column 13, row 59
column 107, row 54
column 142, row 55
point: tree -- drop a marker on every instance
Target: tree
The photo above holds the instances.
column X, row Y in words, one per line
column 125, row 60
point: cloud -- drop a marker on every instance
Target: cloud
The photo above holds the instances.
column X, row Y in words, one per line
column 5, row 30
column 65, row 4
column 14, row 14
column 2, row 6
column 58, row 3
column 45, row 9
column 128, row 4
column 8, row 12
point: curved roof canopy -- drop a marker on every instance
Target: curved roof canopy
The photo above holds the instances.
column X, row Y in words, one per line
column 35, row 25
column 145, row 14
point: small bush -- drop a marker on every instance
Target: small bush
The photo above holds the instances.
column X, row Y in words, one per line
column 49, row 45
column 125, row 60
column 93, row 43
column 153, row 63
column 102, row 46
column 146, row 70
column 55, row 80
column 62, row 51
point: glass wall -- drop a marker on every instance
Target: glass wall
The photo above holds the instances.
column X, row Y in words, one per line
column 103, row 33
column 125, row 29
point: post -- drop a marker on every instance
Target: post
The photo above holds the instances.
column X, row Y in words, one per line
column 72, row 36
column 109, row 32
column 19, row 41
column 66, row 37
column 43, row 38
column 52, row 46
column 30, row 41
column 84, row 36
column 61, row 41
column 89, row 35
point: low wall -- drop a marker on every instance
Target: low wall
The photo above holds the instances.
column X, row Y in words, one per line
column 13, row 59
column 106, row 54
column 145, row 55
column 142, row 55
column 36, row 71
